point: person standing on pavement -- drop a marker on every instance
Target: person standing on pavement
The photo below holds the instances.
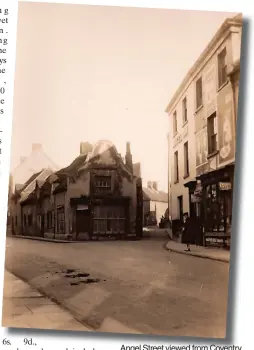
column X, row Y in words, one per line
column 187, row 232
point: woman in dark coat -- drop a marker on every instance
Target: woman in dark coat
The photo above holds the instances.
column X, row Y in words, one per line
column 188, row 232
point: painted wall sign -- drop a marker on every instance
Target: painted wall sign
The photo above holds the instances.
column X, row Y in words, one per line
column 180, row 136
column 201, row 147
column 177, row 140
column 210, row 90
column 226, row 132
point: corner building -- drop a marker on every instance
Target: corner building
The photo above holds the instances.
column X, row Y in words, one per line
column 203, row 114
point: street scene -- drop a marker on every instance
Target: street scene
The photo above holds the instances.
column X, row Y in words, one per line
column 121, row 182
column 135, row 287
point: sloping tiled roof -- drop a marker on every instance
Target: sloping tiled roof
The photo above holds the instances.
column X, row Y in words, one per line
column 29, row 181
column 31, row 194
column 155, row 196
column 73, row 167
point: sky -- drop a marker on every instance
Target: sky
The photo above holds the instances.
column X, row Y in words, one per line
column 86, row 73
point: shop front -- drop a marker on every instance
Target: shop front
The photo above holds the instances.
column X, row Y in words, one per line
column 217, row 199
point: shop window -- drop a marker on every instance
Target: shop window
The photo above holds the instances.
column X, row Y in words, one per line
column 176, row 167
column 185, row 111
column 109, row 219
column 217, row 210
column 222, row 67
column 186, row 159
column 102, row 184
column 212, row 134
column 199, row 93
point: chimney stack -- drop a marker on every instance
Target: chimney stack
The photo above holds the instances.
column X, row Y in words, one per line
column 36, row 147
column 137, row 169
column 128, row 157
column 149, row 184
column 85, row 147
column 155, row 186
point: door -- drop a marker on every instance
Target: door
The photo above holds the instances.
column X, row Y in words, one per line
column 180, row 208
column 82, row 221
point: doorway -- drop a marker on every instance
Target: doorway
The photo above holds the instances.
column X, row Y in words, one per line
column 180, row 208
column 82, row 221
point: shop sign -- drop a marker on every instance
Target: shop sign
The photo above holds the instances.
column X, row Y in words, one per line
column 225, row 186
column 197, row 196
column 82, row 207
column 195, row 199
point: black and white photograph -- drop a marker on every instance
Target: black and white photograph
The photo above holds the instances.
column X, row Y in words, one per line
column 123, row 153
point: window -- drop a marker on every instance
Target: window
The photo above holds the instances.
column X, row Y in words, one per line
column 102, row 184
column 109, row 219
column 212, row 135
column 175, row 122
column 222, row 67
column 186, row 159
column 199, row 93
column 185, row 112
column 176, row 167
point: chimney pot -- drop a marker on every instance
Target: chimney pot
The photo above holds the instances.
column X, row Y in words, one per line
column 149, row 184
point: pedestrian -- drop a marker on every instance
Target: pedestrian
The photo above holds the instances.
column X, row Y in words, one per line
column 187, row 232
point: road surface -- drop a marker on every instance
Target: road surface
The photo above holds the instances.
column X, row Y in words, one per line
column 137, row 283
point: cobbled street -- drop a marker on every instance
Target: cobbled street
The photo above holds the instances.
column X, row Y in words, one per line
column 137, row 283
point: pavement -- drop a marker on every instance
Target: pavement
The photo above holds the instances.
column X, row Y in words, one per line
column 25, row 307
column 127, row 286
column 201, row 252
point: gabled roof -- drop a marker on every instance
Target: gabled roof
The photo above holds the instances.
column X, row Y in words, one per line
column 73, row 167
column 155, row 196
column 84, row 160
